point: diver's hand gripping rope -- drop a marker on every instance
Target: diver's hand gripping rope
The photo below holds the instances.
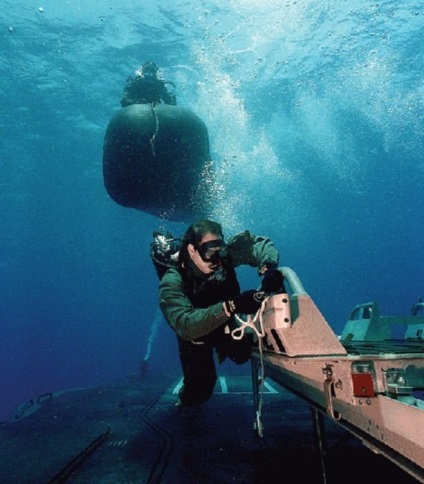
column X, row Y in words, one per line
column 238, row 333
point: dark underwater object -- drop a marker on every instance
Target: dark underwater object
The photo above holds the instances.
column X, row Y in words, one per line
column 157, row 159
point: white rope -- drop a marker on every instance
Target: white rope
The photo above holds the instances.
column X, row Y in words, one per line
column 238, row 333
column 261, row 390
column 153, row 138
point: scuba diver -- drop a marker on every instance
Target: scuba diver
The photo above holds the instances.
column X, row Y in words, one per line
column 199, row 295
column 146, row 88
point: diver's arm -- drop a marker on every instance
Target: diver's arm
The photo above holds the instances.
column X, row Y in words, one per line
column 188, row 322
column 254, row 250
column 125, row 100
column 168, row 98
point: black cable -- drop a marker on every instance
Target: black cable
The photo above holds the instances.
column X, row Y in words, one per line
column 67, row 471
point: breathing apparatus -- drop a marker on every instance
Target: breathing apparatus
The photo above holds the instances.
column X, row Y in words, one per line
column 215, row 252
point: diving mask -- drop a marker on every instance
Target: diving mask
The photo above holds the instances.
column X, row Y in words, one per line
column 213, row 250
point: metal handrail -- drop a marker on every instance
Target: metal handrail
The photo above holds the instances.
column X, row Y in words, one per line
column 293, row 279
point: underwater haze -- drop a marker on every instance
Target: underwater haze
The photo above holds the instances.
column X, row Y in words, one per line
column 315, row 117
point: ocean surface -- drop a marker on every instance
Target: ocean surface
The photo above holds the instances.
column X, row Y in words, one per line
column 315, row 116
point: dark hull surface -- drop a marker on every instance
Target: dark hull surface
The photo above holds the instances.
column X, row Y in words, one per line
column 131, row 432
column 157, row 159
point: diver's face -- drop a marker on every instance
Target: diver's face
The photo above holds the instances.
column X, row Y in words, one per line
column 203, row 254
column 149, row 73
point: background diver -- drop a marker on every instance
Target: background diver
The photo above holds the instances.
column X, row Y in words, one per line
column 146, row 88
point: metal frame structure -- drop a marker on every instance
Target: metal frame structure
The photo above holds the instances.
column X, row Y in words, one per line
column 370, row 380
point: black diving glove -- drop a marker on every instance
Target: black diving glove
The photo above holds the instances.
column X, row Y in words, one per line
column 247, row 302
column 272, row 281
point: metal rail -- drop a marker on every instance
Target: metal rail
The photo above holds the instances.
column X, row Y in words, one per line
column 372, row 388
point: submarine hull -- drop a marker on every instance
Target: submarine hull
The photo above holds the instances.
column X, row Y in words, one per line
column 157, row 159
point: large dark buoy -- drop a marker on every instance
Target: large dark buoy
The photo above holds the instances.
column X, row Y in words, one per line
column 157, row 159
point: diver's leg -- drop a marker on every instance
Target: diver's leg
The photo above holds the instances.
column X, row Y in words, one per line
column 199, row 372
column 239, row 351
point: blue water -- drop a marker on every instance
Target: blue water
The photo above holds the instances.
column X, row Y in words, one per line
column 315, row 116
